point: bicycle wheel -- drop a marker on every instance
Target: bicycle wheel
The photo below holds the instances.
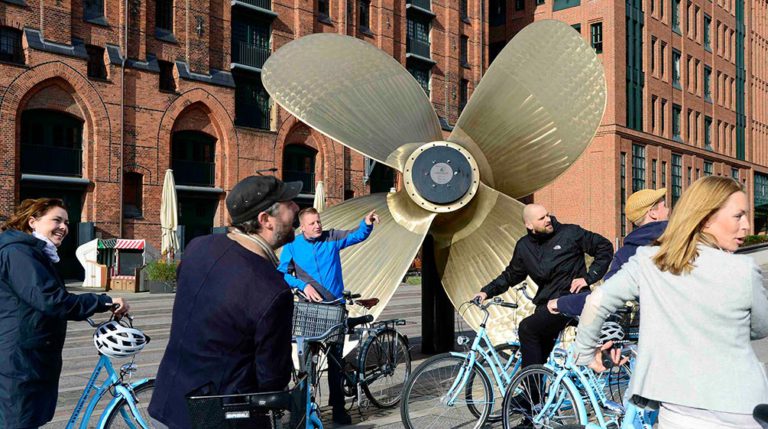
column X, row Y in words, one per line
column 508, row 357
column 532, row 399
column 434, row 396
column 122, row 417
column 385, row 364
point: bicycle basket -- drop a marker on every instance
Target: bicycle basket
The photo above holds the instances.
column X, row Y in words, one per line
column 251, row 410
column 313, row 320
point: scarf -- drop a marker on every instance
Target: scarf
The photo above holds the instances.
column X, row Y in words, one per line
column 50, row 249
column 262, row 244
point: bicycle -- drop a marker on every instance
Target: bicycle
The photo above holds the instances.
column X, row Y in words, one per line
column 455, row 373
column 128, row 406
column 571, row 394
column 382, row 364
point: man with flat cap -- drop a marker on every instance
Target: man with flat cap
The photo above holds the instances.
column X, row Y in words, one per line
column 232, row 317
column 647, row 210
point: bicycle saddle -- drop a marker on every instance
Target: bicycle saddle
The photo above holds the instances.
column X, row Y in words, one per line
column 368, row 303
column 273, row 400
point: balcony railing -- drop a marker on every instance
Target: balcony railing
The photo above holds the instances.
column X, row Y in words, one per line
column 51, row 160
column 307, row 180
column 418, row 47
column 424, row 4
column 249, row 55
column 263, row 4
column 194, row 173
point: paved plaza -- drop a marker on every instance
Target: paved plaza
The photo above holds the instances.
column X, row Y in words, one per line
column 153, row 315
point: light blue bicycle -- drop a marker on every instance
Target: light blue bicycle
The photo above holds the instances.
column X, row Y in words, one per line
column 570, row 396
column 128, row 400
column 455, row 389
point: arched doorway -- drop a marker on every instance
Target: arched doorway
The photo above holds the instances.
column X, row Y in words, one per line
column 193, row 160
column 51, row 152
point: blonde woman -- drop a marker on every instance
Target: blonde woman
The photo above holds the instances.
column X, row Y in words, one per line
column 701, row 307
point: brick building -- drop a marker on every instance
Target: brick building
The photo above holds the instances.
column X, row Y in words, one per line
column 74, row 108
column 687, row 97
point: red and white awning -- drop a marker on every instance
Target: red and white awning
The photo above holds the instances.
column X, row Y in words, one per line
column 129, row 244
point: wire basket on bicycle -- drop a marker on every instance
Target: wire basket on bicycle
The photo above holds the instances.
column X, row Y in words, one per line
column 314, row 319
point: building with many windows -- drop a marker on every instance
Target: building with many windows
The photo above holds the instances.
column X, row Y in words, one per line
column 97, row 101
column 687, row 96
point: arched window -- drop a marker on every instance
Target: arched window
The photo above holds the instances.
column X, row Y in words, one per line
column 193, row 158
column 51, row 143
column 299, row 164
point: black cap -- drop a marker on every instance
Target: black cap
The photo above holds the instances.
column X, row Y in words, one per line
column 254, row 194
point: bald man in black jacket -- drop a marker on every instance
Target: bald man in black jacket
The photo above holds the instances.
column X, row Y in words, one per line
column 552, row 254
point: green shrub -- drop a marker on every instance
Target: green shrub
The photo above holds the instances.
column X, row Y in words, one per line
column 161, row 271
column 755, row 239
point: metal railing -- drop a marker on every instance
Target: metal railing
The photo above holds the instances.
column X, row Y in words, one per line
column 264, row 4
column 307, row 180
column 249, row 55
column 194, row 173
column 52, row 160
column 424, row 4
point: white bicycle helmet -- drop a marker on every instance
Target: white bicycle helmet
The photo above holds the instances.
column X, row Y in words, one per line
column 118, row 341
column 611, row 331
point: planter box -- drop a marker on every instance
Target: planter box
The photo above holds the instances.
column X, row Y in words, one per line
column 158, row 286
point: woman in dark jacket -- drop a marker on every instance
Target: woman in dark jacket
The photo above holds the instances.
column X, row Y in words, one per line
column 34, row 309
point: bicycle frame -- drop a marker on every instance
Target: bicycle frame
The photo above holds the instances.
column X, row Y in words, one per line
column 594, row 393
column 113, row 380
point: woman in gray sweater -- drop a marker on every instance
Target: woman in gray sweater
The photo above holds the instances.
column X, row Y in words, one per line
column 701, row 307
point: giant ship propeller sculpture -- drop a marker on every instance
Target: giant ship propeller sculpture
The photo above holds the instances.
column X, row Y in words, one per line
column 529, row 119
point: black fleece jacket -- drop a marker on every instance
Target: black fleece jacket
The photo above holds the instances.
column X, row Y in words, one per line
column 553, row 260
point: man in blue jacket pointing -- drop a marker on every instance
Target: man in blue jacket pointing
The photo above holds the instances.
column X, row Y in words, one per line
column 311, row 263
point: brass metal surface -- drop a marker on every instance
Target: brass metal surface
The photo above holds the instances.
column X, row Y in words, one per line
column 352, row 92
column 477, row 244
column 536, row 109
column 532, row 115
column 376, row 267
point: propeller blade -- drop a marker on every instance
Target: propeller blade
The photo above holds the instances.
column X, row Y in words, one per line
column 374, row 268
column 352, row 92
column 475, row 245
column 535, row 110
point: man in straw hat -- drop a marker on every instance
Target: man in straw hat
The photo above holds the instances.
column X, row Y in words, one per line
column 647, row 210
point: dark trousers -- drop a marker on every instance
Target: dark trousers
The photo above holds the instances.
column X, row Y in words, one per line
column 538, row 333
column 335, row 376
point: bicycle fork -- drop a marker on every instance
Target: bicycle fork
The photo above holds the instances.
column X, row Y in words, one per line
column 449, row 398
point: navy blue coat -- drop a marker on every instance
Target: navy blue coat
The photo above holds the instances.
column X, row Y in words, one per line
column 34, row 308
column 230, row 329
column 573, row 304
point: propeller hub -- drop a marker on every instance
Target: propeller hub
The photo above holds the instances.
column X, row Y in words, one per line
column 441, row 176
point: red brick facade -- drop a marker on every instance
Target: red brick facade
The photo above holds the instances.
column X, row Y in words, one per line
column 596, row 176
column 53, row 75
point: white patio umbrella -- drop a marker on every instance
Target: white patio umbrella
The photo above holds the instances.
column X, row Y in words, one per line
column 319, row 203
column 169, row 219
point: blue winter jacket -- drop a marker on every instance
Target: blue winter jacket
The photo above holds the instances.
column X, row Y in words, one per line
column 34, row 309
column 317, row 261
column 642, row 236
